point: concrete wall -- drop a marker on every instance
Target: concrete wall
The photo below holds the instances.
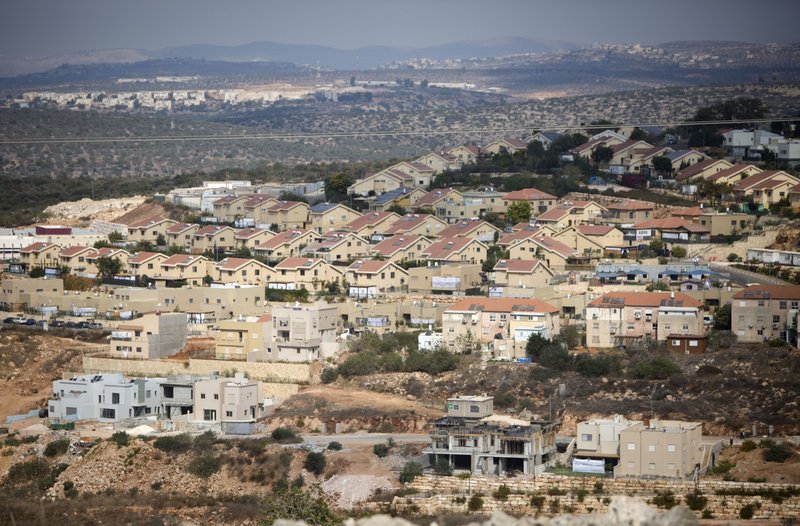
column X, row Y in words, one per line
column 279, row 373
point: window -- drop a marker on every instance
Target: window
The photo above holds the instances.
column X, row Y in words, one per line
column 783, row 305
column 70, row 411
column 651, row 466
column 209, row 414
column 229, row 414
column 586, row 437
column 670, row 466
column 671, row 448
column 676, row 343
column 474, row 409
column 115, row 398
column 776, row 319
column 631, row 446
column 216, row 396
column 202, row 396
column 109, row 413
column 651, row 448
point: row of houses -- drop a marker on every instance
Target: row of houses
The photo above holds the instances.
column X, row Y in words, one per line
column 112, row 398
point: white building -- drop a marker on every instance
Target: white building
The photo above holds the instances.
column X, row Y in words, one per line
column 430, row 340
column 107, row 397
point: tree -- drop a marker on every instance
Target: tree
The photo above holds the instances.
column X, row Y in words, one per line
column 602, row 154
column 36, row 272
column 108, row 267
column 662, row 165
column 353, row 80
column 410, row 471
column 115, row 237
column 518, row 212
column 722, row 318
column 336, row 187
column 243, row 252
column 161, row 241
column 397, row 209
column 638, row 134
column 315, row 463
column 535, row 345
column 678, row 252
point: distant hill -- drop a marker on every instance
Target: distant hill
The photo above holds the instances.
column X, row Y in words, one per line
column 361, row 58
column 326, row 57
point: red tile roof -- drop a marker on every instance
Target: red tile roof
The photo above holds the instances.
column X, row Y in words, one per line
column 34, row 247
column 370, row 220
column 594, row 230
column 235, row 263
column 150, row 221
column 286, row 205
column 73, row 251
column 432, row 197
column 180, row 260
column 696, row 168
column 372, row 266
column 671, row 223
column 528, row 194
column 645, row 299
column 630, row 205
column 392, row 245
column 627, row 145
column 529, row 231
column 447, row 247
column 177, row 228
column 508, row 305
column 211, row 230
column 465, row 227
column 729, row 172
column 767, row 292
column 411, row 221
column 141, row 257
column 554, row 245
column 283, row 238
column 756, row 179
column 258, row 200
column 295, row 263
column 247, row 233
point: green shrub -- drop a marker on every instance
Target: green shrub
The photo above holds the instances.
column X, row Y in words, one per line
column 777, row 452
column 410, row 471
column 600, row 365
column 335, row 446
column 722, row 467
column 656, row 368
column 381, row 450
column 156, row 486
column 747, row 446
column 475, row 503
column 501, row 493
column 707, row 514
column 204, row 466
column 665, row 499
column 747, row 511
column 120, row 438
column 443, row 467
column 678, row 252
column 537, row 501
column 598, row 488
column 554, row 490
column 57, row 447
column 174, row 443
column 329, row 375
column 284, row 435
column 581, row 493
column 777, row 342
column 35, row 470
column 295, row 504
column 315, row 463
column 204, row 441
column 696, row 501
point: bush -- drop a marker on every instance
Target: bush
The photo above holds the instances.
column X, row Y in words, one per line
column 776, row 452
column 747, row 446
column 537, row 501
column 35, row 470
column 57, row 447
column 443, row 467
column 475, row 503
column 581, row 493
column 554, row 490
column 747, row 511
column 204, row 441
column 315, row 463
column 120, row 438
column 329, row 375
column 335, row 446
column 284, row 435
column 174, row 444
column 696, row 501
column 204, row 466
column 665, row 499
column 555, row 357
column 722, row 467
column 381, row 450
column 501, row 493
column 598, row 488
column 678, row 252
column 410, row 471
column 707, row 514
column 601, row 365
column 656, row 368
column 733, row 257
column 294, row 504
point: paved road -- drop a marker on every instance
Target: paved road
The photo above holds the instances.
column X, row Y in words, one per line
column 364, row 439
column 743, row 277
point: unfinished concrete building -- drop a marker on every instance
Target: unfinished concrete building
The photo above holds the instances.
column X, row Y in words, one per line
column 471, row 438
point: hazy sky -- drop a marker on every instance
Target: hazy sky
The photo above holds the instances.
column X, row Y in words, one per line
column 48, row 27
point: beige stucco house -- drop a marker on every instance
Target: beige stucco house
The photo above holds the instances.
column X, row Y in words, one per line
column 400, row 248
column 369, row 278
column 326, row 217
column 455, row 250
column 311, row 274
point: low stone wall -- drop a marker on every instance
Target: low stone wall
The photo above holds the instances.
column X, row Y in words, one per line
column 291, row 373
column 551, row 494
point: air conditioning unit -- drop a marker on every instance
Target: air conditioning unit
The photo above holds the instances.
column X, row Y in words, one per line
column 637, row 316
column 501, row 324
column 612, row 330
column 594, row 316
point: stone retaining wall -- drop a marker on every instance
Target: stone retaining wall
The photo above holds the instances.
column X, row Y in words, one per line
column 579, row 495
column 291, row 373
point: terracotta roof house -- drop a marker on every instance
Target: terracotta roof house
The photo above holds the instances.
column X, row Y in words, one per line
column 734, row 174
column 178, row 267
column 242, row 271
column 372, row 224
column 456, row 250
column 213, row 238
column 421, row 224
column 250, row 237
column 591, row 240
column 767, row 187
column 474, row 228
column 670, row 230
column 285, row 244
column 338, row 248
column 466, row 153
column 368, row 278
column 570, row 213
column 539, row 201
column 434, row 197
column 149, row 229
column 311, row 274
column 702, row 169
column 324, row 217
column 181, row 235
column 554, row 253
column 399, row 248
column 521, row 273
column 509, row 144
column 627, row 212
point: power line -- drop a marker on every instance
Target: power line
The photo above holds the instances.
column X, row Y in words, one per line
column 357, row 134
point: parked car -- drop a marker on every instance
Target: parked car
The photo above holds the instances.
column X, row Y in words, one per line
column 30, row 321
column 44, row 412
column 41, row 323
column 82, row 325
column 71, row 325
column 10, row 319
column 19, row 320
column 57, row 323
column 95, row 325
